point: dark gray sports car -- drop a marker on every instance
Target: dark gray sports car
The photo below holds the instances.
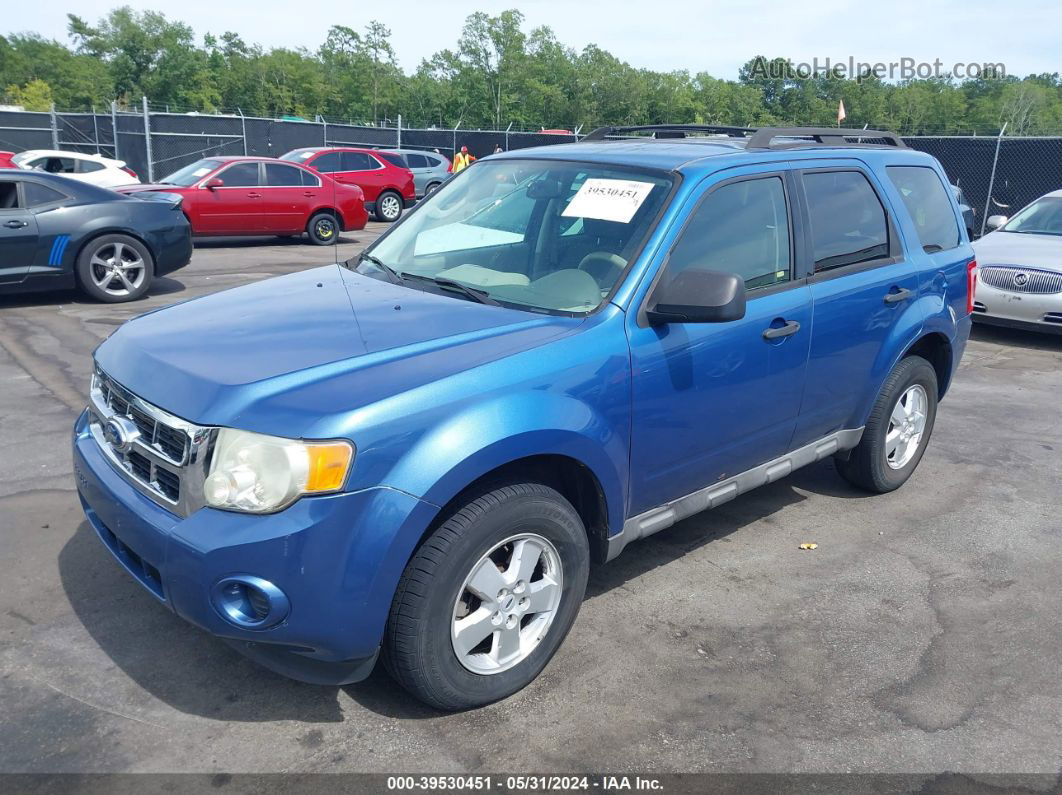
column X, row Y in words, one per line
column 56, row 233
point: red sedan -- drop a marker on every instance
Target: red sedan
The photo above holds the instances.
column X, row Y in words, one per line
column 261, row 196
column 388, row 188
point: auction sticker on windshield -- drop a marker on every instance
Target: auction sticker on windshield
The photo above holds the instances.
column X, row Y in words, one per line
column 608, row 200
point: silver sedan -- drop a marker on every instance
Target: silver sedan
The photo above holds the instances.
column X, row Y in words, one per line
column 1019, row 282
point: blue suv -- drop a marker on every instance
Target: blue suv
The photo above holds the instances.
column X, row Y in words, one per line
column 419, row 453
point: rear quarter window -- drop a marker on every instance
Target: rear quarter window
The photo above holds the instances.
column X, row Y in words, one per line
column 926, row 200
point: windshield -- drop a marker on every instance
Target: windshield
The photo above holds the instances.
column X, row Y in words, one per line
column 190, row 174
column 542, row 235
column 299, row 155
column 1042, row 217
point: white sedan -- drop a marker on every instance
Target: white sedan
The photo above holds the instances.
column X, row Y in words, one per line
column 1019, row 268
column 93, row 169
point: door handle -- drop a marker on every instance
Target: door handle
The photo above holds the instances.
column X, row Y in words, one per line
column 895, row 297
column 15, row 224
column 772, row 333
column 254, row 195
column 308, row 194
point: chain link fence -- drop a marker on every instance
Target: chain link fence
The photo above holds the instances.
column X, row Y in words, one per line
column 998, row 175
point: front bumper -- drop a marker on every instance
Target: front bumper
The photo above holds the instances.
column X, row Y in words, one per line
column 1031, row 311
column 337, row 558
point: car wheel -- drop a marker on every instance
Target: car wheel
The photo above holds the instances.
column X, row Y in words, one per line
column 488, row 598
column 388, row 207
column 898, row 430
column 115, row 268
column 432, row 188
column 323, row 230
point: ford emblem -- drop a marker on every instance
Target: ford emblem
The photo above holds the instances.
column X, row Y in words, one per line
column 120, row 433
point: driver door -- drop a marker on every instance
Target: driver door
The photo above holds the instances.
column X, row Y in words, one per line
column 712, row 400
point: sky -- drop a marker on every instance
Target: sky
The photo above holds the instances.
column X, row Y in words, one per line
column 716, row 37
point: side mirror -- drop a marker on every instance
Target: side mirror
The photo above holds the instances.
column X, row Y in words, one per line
column 994, row 222
column 696, row 295
column 216, row 182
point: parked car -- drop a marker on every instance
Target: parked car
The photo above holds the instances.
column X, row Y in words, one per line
column 93, row 169
column 429, row 169
column 56, row 234
column 388, row 188
column 1020, row 273
column 418, row 453
column 967, row 212
column 226, row 196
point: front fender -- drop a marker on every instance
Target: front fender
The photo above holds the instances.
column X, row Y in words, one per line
column 490, row 434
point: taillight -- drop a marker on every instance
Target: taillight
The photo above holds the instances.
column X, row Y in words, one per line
column 971, row 284
column 130, row 172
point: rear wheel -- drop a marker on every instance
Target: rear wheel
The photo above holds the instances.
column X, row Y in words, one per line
column 898, row 430
column 388, row 207
column 323, row 229
column 434, row 186
column 115, row 268
column 488, row 598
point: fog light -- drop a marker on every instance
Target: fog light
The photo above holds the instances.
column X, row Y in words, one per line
column 249, row 602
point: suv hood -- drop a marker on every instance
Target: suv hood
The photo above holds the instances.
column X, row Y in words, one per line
column 1013, row 248
column 210, row 359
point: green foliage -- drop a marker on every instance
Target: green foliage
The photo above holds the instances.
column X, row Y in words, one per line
column 497, row 73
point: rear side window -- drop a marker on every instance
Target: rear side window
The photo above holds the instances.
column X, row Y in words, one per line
column 327, row 163
column 848, row 223
column 36, row 194
column 926, row 200
column 418, row 161
column 8, row 196
column 359, row 161
column 278, row 176
column 309, row 180
column 88, row 166
column 241, row 175
column 742, row 228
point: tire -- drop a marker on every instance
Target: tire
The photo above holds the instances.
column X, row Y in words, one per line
column 388, row 207
column 432, row 187
column 420, row 643
column 102, row 278
column 323, row 229
column 878, row 465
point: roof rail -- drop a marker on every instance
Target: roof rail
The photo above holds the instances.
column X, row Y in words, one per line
column 670, row 130
column 764, row 137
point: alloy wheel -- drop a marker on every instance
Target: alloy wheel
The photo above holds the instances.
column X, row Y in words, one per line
column 507, row 604
column 117, row 269
column 390, row 207
column 907, row 423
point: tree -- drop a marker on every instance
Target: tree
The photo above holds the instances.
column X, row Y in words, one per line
column 35, row 95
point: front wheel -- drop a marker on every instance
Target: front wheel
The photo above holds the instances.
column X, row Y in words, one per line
column 115, row 268
column 898, row 430
column 488, row 598
column 388, row 207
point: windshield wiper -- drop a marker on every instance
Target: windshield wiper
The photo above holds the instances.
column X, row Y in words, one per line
column 481, row 296
column 392, row 275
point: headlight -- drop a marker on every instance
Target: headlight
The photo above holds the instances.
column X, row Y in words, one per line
column 259, row 474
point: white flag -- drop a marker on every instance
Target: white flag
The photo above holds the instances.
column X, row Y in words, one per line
column 841, row 115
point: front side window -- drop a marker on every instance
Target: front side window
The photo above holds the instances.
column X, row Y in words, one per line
column 1042, row 217
column 241, row 175
column 395, row 159
column 328, row 163
column 848, row 223
column 190, row 174
column 927, row 202
column 550, row 236
column 53, row 165
column 741, row 227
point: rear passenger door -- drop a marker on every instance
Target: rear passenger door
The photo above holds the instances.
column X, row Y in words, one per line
column 285, row 202
column 864, row 291
column 18, row 233
column 712, row 400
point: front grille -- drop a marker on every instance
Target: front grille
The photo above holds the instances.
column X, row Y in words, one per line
column 165, row 457
column 173, row 443
column 1017, row 279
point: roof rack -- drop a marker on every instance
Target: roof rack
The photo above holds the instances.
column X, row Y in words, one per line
column 670, row 131
column 764, row 137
